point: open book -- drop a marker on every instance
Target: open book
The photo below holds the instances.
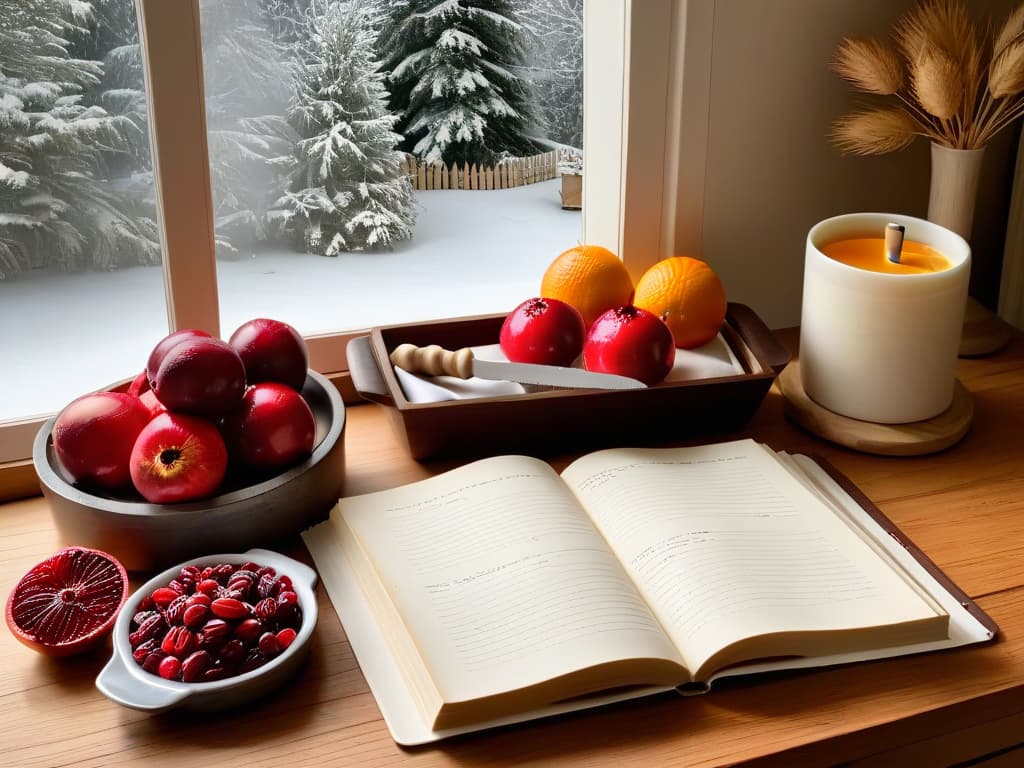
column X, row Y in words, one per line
column 501, row 590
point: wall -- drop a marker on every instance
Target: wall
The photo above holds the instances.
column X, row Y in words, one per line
column 770, row 171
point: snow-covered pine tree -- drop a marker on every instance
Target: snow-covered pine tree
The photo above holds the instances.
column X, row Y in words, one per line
column 56, row 206
column 554, row 66
column 112, row 38
column 348, row 190
column 450, row 65
column 247, row 91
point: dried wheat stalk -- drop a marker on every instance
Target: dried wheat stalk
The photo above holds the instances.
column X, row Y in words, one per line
column 953, row 87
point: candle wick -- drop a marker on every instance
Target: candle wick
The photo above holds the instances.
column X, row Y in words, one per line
column 894, row 241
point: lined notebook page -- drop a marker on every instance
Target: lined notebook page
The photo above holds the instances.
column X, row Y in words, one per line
column 725, row 545
column 501, row 577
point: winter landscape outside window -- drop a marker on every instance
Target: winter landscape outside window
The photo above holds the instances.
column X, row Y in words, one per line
column 315, row 222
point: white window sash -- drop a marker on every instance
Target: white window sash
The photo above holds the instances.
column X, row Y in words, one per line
column 633, row 155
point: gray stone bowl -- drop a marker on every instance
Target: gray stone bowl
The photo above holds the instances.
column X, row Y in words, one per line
column 145, row 536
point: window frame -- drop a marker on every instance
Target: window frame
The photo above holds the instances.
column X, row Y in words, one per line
column 633, row 65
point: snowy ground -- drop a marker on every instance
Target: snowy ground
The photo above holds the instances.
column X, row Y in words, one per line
column 473, row 252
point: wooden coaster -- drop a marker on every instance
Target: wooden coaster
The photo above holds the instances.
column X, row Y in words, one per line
column 914, row 439
column 984, row 332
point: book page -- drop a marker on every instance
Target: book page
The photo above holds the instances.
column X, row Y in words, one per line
column 501, row 578
column 727, row 545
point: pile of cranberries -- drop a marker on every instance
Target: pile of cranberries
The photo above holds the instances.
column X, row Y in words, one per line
column 214, row 622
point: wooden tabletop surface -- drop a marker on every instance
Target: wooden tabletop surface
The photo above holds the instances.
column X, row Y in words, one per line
column 964, row 507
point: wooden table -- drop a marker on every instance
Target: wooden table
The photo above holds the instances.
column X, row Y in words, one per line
column 963, row 507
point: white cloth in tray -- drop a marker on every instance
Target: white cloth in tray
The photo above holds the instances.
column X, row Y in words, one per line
column 712, row 360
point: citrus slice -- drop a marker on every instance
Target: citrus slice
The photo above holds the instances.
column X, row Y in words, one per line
column 67, row 603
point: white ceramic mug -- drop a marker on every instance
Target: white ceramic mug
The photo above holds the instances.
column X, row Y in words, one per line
column 876, row 346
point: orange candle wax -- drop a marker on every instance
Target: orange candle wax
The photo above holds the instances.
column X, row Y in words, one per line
column 869, row 253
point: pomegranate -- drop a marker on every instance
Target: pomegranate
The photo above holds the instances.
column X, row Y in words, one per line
column 67, row 603
column 546, row 331
column 630, row 342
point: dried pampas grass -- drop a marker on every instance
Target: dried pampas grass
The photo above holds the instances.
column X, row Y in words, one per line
column 952, row 85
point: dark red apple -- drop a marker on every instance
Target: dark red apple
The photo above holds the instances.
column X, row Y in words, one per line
column 178, row 457
column 93, row 437
column 271, row 351
column 546, row 331
column 201, row 375
column 630, row 342
column 272, row 428
column 162, row 346
column 139, row 384
column 154, row 406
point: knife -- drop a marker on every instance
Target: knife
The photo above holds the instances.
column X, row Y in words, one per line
column 434, row 360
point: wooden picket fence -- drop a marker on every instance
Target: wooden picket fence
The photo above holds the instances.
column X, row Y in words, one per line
column 516, row 172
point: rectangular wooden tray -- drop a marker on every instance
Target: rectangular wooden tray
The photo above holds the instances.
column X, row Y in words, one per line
column 554, row 421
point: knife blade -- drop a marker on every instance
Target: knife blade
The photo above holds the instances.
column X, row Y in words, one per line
column 435, row 360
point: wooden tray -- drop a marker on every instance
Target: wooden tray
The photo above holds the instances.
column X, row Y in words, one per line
column 555, row 421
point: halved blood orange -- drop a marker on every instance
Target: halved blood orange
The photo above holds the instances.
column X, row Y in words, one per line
column 67, row 603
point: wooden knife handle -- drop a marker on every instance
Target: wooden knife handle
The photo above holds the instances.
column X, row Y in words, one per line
column 434, row 360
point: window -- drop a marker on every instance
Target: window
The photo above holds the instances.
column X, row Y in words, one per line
column 626, row 114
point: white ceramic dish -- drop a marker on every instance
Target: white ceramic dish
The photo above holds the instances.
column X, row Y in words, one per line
column 122, row 680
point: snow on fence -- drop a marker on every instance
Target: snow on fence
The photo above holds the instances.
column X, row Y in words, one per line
column 516, row 172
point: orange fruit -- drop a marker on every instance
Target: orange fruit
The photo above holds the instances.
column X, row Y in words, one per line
column 688, row 295
column 67, row 603
column 590, row 278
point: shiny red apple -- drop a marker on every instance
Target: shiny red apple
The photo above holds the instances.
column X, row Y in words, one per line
column 630, row 342
column 93, row 438
column 271, row 351
column 200, row 375
column 162, row 347
column 154, row 406
column 139, row 384
column 546, row 331
column 178, row 457
column 272, row 428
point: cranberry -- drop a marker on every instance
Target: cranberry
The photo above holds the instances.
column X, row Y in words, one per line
column 194, row 666
column 265, row 609
column 249, row 630
column 286, row 637
column 170, row 667
column 163, row 596
column 208, row 587
column 153, row 625
column 195, row 616
column 229, row 608
column 175, row 612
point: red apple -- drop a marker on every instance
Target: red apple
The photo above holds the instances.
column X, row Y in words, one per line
column 546, row 331
column 162, row 346
column 139, row 384
column 178, row 457
column 154, row 406
column 272, row 428
column 93, row 438
column 201, row 375
column 630, row 342
column 271, row 351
